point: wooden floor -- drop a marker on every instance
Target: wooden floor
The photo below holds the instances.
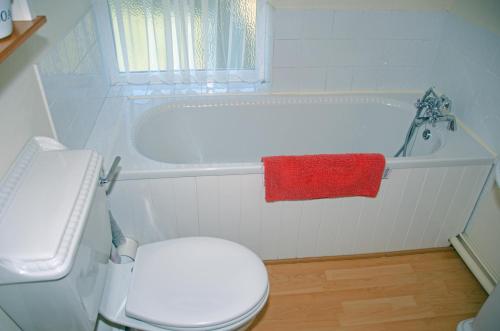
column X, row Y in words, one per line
column 427, row 291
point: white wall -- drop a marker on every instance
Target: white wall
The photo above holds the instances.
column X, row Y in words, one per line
column 337, row 50
column 484, row 13
column 484, row 230
column 23, row 112
column 366, row 4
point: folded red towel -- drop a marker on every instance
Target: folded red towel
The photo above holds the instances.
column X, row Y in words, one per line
column 322, row 176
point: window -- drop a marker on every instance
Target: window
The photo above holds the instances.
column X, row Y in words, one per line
column 212, row 40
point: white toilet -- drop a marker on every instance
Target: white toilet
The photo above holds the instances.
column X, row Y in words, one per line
column 55, row 272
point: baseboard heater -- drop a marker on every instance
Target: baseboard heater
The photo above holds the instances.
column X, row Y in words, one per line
column 480, row 270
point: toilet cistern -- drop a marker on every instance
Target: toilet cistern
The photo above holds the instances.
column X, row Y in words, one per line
column 55, row 272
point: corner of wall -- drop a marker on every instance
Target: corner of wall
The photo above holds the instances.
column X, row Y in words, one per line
column 45, row 102
column 484, row 13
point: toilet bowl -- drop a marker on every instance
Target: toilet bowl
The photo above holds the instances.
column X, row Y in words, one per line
column 55, row 272
column 194, row 283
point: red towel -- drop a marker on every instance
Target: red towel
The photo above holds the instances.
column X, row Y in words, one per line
column 322, row 176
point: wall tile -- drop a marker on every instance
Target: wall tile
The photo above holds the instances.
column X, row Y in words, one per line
column 417, row 25
column 362, row 49
column 427, row 51
column 287, row 24
column 357, row 52
column 285, row 79
column 402, row 78
column 339, row 79
column 485, row 112
column 317, row 24
column 354, row 24
column 454, row 75
column 315, row 53
column 286, row 53
column 495, row 65
column 364, row 78
column 466, row 70
column 400, row 52
column 312, row 79
column 474, row 43
column 75, row 82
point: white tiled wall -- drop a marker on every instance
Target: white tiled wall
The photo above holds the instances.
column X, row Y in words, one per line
column 467, row 69
column 326, row 50
column 75, row 82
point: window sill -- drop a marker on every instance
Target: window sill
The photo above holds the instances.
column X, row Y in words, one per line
column 192, row 89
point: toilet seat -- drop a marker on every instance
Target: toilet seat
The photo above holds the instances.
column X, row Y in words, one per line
column 195, row 283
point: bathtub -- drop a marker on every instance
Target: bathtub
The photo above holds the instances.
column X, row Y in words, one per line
column 192, row 167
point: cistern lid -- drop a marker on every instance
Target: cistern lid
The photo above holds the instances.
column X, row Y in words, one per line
column 195, row 282
column 44, row 201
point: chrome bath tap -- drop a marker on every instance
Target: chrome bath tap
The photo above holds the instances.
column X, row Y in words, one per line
column 431, row 108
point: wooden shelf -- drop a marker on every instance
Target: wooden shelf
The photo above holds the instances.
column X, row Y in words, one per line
column 22, row 31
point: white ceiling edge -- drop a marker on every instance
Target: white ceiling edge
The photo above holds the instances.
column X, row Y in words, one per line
column 364, row 4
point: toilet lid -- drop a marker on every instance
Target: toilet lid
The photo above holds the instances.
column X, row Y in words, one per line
column 195, row 282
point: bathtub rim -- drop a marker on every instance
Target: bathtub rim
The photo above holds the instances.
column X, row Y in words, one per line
column 136, row 166
column 247, row 168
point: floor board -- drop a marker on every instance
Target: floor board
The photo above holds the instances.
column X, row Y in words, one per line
column 420, row 291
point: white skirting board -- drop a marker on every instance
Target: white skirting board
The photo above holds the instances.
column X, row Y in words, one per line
column 480, row 270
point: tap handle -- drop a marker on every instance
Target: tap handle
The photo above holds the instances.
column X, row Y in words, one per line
column 428, row 93
column 423, row 102
column 446, row 104
column 111, row 173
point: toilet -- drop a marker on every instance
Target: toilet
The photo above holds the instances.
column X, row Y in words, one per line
column 55, row 271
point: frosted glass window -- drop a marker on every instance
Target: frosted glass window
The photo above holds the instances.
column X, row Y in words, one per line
column 184, row 35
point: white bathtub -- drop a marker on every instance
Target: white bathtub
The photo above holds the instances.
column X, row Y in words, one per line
column 191, row 167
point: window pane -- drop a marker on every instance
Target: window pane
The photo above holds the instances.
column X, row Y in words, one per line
column 152, row 35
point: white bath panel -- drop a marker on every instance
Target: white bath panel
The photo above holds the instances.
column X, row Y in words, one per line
column 271, row 225
column 406, row 208
column 425, row 204
column 348, row 216
column 289, row 230
column 367, row 223
column 186, row 206
column 250, row 212
column 229, row 207
column 447, row 189
column 328, row 230
column 471, row 181
column 162, row 197
column 207, row 189
column 310, row 220
column 415, row 208
column 135, row 212
column 390, row 195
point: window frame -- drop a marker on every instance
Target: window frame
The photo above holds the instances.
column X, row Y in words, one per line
column 259, row 75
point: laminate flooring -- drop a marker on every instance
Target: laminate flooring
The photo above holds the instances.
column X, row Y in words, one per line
column 418, row 291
